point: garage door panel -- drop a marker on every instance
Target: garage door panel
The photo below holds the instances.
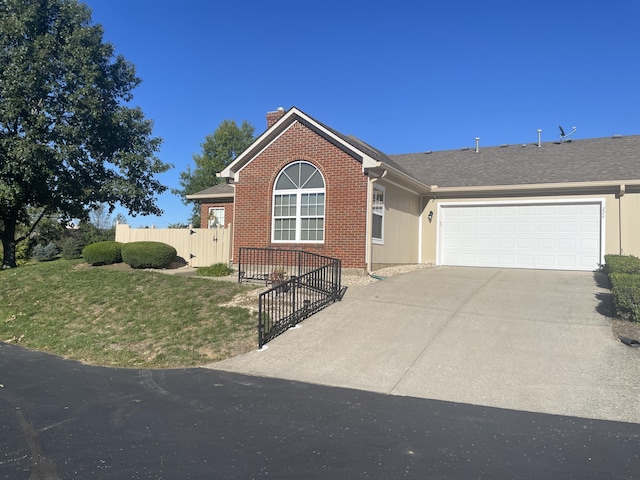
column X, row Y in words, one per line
column 566, row 244
column 568, row 210
column 544, row 261
column 526, row 243
column 588, row 243
column 543, row 210
column 568, row 227
column 545, row 227
column 468, row 243
column 505, row 243
column 526, row 260
column 506, row 260
column 468, row 228
column 544, row 244
column 567, row 261
column 550, row 236
column 506, row 211
column 590, row 227
column 484, row 227
column 526, row 227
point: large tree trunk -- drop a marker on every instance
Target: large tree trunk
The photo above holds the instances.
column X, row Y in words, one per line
column 9, row 245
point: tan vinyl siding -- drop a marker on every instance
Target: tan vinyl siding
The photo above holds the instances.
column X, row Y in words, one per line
column 401, row 226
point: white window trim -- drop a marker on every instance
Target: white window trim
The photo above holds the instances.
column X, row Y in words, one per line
column 211, row 209
column 380, row 188
column 298, row 218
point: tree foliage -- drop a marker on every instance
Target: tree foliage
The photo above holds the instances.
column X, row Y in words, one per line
column 219, row 149
column 68, row 140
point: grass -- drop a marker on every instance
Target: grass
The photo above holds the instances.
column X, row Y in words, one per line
column 116, row 316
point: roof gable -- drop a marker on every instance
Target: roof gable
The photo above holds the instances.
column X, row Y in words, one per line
column 365, row 154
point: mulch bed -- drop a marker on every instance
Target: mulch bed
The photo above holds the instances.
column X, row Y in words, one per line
column 625, row 328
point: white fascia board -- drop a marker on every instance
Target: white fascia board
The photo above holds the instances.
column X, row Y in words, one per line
column 213, row 196
column 236, row 174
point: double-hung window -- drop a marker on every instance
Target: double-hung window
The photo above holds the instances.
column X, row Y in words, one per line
column 216, row 217
column 298, row 205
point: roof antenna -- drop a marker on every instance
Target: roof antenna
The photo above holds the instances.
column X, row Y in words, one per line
column 563, row 135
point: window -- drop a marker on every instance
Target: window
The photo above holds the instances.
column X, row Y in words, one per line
column 377, row 214
column 216, row 217
column 298, row 204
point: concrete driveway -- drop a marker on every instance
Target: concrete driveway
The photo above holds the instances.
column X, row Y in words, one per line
column 527, row 340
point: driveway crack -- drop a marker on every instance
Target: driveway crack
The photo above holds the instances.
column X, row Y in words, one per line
column 441, row 329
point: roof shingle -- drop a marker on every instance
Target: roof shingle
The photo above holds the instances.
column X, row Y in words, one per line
column 597, row 159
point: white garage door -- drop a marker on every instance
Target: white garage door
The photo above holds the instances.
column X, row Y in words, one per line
column 559, row 236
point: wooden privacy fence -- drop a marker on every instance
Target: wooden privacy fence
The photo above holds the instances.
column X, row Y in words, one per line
column 199, row 247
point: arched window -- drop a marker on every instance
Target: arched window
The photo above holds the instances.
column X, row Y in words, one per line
column 298, row 205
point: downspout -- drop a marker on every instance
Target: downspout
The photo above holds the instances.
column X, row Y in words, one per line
column 620, row 195
column 232, row 227
column 420, row 228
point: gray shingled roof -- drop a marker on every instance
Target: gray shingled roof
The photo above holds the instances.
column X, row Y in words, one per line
column 589, row 160
column 364, row 147
column 220, row 189
column 611, row 158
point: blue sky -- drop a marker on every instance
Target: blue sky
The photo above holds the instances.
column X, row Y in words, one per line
column 404, row 76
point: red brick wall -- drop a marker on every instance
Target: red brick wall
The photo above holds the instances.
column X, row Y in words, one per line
column 346, row 197
column 204, row 213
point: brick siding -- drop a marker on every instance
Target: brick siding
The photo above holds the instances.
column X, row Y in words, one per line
column 346, row 197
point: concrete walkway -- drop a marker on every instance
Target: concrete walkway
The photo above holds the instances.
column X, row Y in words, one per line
column 527, row 340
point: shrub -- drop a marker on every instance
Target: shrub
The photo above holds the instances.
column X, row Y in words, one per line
column 103, row 253
column 148, row 254
column 71, row 249
column 44, row 253
column 23, row 252
column 217, row 270
column 621, row 264
column 625, row 291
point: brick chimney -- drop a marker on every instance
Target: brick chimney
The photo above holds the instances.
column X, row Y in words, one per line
column 273, row 117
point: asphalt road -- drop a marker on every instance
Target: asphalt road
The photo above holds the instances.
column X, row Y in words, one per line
column 64, row 420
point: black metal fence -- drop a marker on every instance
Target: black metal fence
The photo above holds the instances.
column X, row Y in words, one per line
column 302, row 283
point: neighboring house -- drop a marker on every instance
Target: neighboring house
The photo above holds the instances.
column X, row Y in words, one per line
column 549, row 205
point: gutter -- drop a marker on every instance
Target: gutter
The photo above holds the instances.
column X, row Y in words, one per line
column 613, row 185
column 215, row 196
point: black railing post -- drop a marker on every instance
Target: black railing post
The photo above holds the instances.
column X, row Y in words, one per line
column 260, row 322
column 294, row 305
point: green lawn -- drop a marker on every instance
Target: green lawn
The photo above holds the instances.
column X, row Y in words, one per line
column 117, row 316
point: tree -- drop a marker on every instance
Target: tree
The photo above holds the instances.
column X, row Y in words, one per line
column 120, row 218
column 100, row 217
column 218, row 150
column 68, row 141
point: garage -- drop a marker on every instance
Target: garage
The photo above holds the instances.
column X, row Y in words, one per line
column 545, row 235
